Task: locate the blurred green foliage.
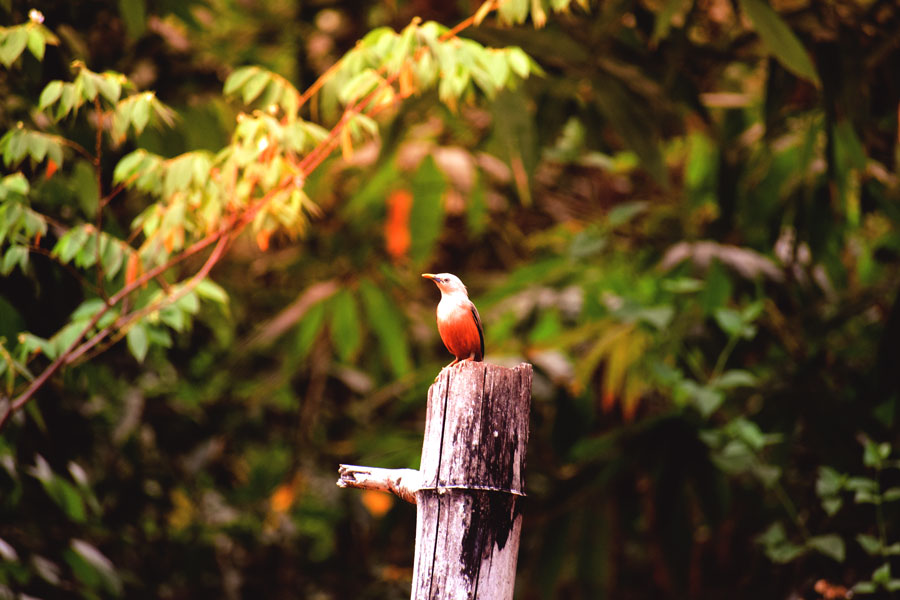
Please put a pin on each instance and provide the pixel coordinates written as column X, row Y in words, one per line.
column 683, row 213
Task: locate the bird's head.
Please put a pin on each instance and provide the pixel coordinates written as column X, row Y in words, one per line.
column 447, row 283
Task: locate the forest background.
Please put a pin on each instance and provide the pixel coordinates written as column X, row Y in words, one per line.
column 684, row 213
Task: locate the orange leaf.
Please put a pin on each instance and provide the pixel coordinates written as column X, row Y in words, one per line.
column 396, row 230
column 283, row 498
column 51, row 168
column 406, row 80
column 37, row 238
column 608, row 401
column 377, row 503
column 132, row 269
column 346, row 144
column 262, row 239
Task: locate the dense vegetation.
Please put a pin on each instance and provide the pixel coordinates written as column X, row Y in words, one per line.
column 214, row 214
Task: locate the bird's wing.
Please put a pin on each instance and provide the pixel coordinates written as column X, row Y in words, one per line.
column 477, row 318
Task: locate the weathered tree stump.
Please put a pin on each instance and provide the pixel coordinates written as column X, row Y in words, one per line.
column 468, row 489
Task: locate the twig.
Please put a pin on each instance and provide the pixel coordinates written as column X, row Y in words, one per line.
column 123, row 321
column 63, row 357
column 98, row 153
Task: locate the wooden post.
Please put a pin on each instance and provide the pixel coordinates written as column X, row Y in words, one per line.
column 468, row 489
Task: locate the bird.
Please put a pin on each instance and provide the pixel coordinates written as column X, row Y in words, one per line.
column 458, row 321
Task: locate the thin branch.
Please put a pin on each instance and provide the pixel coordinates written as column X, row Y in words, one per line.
column 318, row 154
column 77, row 147
column 63, row 357
column 289, row 317
column 72, row 271
column 98, row 153
column 123, row 321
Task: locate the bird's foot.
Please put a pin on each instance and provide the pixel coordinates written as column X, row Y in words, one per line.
column 455, row 361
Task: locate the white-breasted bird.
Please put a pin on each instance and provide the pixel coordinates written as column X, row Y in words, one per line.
column 457, row 319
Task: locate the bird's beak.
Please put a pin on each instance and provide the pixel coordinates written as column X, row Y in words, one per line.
column 428, row 276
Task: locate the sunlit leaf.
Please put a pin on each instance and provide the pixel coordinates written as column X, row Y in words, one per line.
column 50, row 94
column 12, row 44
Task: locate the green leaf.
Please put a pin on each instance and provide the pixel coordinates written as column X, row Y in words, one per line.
column 891, row 494
column 779, row 39
column 871, row 544
column 629, row 114
column 831, row 505
column 134, row 15
column 179, row 173
column 122, row 117
column 173, row 317
column 12, row 45
column 50, row 94
column 830, row 482
column 749, row 432
column 734, row 378
column 658, row 316
column 189, row 303
column 387, row 323
column 626, row 212
column 255, row 85
column 36, row 43
column 706, row 399
column 86, row 79
column 128, row 165
column 210, row 290
column 67, row 100
column 237, row 79
column 112, row 256
column 109, row 87
column 882, row 574
column 63, row 493
column 70, row 244
column 519, row 62
column 15, row 255
column 865, row 587
column 83, row 182
column 308, row 329
column 729, row 320
column 137, row 340
column 93, row 568
column 776, row 545
column 849, row 151
column 87, row 309
column 830, row 545
column 427, row 213
column 874, row 454
column 140, row 114
column 16, row 183
column 865, row 484
column 513, row 12
column 345, row 325
column 359, row 86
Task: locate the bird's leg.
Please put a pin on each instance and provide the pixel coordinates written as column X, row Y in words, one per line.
column 455, row 360
column 460, row 361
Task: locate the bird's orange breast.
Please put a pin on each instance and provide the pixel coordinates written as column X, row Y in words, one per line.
column 459, row 332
